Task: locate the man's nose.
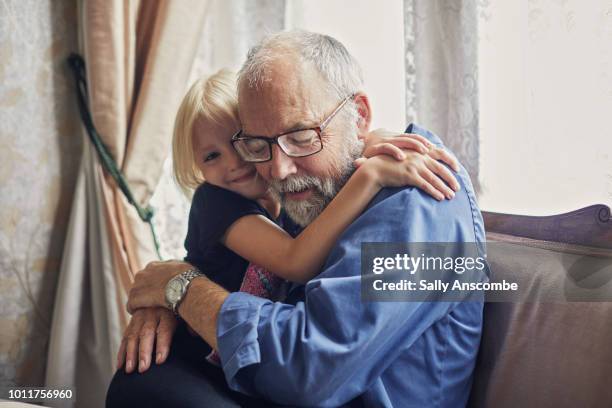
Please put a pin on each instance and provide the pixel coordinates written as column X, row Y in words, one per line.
column 281, row 165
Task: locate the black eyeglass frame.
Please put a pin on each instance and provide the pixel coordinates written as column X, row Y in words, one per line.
column 274, row 140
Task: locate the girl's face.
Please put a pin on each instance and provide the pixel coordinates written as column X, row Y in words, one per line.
column 220, row 164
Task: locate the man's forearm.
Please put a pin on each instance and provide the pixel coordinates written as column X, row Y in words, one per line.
column 201, row 307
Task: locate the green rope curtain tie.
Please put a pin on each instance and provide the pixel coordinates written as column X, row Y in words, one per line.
column 77, row 64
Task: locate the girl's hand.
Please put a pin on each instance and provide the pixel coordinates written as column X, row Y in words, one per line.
column 381, row 141
column 418, row 170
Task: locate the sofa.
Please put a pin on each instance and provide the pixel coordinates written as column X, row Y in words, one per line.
column 552, row 347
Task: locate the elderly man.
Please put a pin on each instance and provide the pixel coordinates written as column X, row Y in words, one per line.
column 322, row 346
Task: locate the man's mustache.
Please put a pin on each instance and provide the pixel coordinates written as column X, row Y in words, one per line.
column 294, row 184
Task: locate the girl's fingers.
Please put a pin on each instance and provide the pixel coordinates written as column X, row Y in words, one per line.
column 441, row 171
column 420, row 138
column 424, row 185
column 358, row 162
column 437, row 183
column 407, row 142
column 386, row 149
column 435, row 152
column 439, row 153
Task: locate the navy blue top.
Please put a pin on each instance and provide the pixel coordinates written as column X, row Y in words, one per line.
column 213, row 211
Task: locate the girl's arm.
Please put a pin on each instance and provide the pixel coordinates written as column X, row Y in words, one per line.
column 299, row 259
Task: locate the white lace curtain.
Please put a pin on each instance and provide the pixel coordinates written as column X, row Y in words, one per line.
column 441, row 58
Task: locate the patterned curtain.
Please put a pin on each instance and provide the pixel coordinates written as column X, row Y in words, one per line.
column 138, row 56
column 441, row 42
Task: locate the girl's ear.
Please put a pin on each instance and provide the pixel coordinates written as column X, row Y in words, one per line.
column 364, row 113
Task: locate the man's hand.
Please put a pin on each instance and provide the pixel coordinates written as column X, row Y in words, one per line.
column 149, row 285
column 147, row 326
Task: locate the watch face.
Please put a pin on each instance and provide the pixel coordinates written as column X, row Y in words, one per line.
column 174, row 290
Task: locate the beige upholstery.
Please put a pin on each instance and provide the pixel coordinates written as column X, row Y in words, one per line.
column 545, row 354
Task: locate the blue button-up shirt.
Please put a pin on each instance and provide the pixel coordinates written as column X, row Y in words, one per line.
column 326, row 347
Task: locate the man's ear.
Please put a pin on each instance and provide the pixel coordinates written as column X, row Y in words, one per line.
column 364, row 113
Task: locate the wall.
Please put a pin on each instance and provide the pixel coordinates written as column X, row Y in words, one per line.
column 546, row 99
column 40, row 146
column 375, row 37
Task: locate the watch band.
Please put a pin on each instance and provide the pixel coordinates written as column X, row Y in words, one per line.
column 188, row 276
column 191, row 273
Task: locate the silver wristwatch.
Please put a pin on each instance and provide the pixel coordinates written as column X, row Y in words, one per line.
column 177, row 287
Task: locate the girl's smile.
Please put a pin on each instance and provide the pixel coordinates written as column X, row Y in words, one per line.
column 246, row 177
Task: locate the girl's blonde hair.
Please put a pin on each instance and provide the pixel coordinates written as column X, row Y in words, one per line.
column 210, row 98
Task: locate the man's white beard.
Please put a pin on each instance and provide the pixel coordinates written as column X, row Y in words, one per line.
column 303, row 212
column 324, row 189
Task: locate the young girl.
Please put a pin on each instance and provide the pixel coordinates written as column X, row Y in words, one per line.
column 235, row 219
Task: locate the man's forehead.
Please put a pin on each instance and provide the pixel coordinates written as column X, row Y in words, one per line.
column 281, row 104
column 273, row 109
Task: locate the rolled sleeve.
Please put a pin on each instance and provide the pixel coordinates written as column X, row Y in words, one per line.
column 237, row 334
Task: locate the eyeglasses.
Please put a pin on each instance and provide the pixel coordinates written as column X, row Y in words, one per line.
column 295, row 143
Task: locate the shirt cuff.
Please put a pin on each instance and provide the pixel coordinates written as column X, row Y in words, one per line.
column 237, row 335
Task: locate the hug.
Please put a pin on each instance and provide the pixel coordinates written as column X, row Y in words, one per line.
column 287, row 181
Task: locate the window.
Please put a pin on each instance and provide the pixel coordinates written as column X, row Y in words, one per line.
column 545, row 70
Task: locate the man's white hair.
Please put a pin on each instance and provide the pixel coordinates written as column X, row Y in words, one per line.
column 332, row 60
column 342, row 77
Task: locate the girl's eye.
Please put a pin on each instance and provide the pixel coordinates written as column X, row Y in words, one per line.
column 210, row 156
